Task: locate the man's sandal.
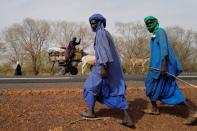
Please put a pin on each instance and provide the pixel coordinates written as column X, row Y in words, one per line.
column 127, row 124
column 151, row 112
column 190, row 121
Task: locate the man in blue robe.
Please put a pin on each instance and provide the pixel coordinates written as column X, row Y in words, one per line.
column 159, row 85
column 106, row 83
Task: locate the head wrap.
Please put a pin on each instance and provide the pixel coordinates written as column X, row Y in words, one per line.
column 74, row 39
column 101, row 45
column 154, row 26
column 100, row 20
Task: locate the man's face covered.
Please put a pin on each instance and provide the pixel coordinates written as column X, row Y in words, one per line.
column 151, row 23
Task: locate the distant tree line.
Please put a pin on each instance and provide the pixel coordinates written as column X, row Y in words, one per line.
column 28, row 42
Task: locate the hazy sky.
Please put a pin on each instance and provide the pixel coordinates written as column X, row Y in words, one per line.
column 168, row 12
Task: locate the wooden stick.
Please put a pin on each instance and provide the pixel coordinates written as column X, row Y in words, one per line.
column 175, row 77
column 89, row 119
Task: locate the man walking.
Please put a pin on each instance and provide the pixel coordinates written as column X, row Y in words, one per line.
column 159, row 84
column 106, row 83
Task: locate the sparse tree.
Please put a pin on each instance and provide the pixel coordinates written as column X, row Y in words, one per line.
column 2, row 46
column 64, row 31
column 86, row 35
column 181, row 41
column 194, row 54
column 28, row 39
column 133, row 41
column 15, row 49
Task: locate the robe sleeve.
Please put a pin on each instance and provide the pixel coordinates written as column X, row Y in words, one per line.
column 163, row 43
column 102, row 48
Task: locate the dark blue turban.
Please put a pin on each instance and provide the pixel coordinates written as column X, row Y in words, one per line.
column 98, row 18
column 101, row 45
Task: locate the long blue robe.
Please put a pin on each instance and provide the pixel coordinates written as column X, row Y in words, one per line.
column 111, row 90
column 163, row 87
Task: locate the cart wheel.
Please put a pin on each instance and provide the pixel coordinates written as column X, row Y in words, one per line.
column 73, row 70
column 61, row 71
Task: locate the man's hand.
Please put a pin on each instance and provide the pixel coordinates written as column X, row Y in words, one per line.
column 104, row 72
column 79, row 40
column 163, row 70
column 164, row 66
column 77, row 43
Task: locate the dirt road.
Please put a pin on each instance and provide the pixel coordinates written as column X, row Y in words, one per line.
column 57, row 109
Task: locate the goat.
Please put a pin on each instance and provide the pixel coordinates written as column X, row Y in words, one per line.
column 138, row 61
column 88, row 59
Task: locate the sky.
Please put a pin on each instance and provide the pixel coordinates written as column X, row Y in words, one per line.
column 169, row 12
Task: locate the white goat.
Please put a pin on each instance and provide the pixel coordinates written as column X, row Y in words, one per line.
column 88, row 59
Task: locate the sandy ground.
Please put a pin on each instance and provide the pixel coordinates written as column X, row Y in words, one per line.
column 57, row 109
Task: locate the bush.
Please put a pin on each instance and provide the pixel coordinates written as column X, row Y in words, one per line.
column 6, row 69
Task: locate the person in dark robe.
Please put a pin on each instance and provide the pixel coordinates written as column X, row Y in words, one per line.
column 18, row 71
column 159, row 84
column 106, row 83
column 70, row 49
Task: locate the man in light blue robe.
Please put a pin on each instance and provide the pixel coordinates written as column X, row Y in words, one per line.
column 106, row 83
column 159, row 85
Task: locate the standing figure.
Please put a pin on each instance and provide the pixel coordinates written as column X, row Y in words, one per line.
column 159, row 85
column 18, row 71
column 106, row 83
column 70, row 49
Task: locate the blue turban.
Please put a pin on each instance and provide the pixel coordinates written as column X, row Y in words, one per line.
column 98, row 18
column 102, row 48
